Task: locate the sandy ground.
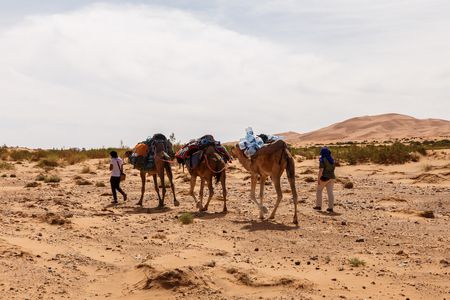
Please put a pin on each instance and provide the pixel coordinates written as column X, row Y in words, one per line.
column 65, row 241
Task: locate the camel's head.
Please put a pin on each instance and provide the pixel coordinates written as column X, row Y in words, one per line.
column 128, row 153
column 235, row 151
column 160, row 149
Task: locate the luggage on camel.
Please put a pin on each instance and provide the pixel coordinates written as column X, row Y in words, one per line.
column 191, row 154
column 143, row 155
column 251, row 143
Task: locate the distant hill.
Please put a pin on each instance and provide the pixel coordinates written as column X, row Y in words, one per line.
column 370, row 128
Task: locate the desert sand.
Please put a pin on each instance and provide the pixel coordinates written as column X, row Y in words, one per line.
column 65, row 240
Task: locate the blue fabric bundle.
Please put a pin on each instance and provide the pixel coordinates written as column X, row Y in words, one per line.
column 326, row 153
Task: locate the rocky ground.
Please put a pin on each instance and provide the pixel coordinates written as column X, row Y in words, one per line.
column 388, row 238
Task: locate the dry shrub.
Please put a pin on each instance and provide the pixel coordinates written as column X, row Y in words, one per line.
column 19, row 155
column 85, row 170
column 356, row 262
column 427, row 167
column 40, row 177
column 310, row 179
column 6, row 166
column 348, row 185
column 83, row 182
column 49, row 162
column 186, row 218
column 52, row 179
column 32, row 184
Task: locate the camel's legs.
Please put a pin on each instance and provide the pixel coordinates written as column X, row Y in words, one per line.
column 202, row 188
column 163, row 185
column 262, row 181
column 294, row 197
column 172, row 186
column 155, row 181
column 224, row 190
column 254, row 180
column 143, row 175
column 191, row 191
column 277, row 184
column 211, row 192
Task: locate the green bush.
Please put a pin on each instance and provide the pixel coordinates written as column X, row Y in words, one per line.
column 49, row 162
column 356, row 262
column 19, row 155
column 186, row 218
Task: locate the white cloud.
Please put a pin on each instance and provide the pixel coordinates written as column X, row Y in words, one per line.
column 106, row 73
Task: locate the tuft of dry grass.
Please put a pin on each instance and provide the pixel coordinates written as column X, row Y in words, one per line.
column 427, row 167
column 6, row 166
column 40, row 177
column 356, row 262
column 99, row 184
column 50, row 162
column 32, row 184
column 186, row 218
column 348, row 185
column 83, row 182
column 52, row 179
column 310, row 179
column 85, row 170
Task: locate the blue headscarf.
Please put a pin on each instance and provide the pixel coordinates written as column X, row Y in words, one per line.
column 326, row 153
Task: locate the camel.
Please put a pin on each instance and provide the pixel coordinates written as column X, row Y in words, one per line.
column 162, row 163
column 211, row 165
column 270, row 160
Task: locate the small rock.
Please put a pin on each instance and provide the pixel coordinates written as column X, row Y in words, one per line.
column 360, row 240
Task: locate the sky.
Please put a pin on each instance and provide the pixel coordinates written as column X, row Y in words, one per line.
column 80, row 73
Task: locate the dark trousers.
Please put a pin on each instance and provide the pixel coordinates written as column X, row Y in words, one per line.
column 115, row 185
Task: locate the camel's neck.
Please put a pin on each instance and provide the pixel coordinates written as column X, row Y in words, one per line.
column 245, row 162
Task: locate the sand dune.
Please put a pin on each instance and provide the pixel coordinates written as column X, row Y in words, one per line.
column 374, row 128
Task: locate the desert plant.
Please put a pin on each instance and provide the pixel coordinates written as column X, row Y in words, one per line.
column 49, row 162
column 85, row 170
column 348, row 185
column 82, row 182
column 40, row 177
column 427, row 167
column 310, row 179
column 6, row 166
column 52, row 179
column 356, row 262
column 32, row 184
column 186, row 218
column 99, row 184
column 18, row 155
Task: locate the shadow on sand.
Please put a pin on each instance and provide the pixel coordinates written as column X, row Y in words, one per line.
column 253, row 225
column 325, row 213
column 146, row 210
column 208, row 215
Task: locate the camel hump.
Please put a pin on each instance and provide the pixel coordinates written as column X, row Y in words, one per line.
column 159, row 136
column 270, row 149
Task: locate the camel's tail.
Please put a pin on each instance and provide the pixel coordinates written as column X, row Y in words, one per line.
column 290, row 164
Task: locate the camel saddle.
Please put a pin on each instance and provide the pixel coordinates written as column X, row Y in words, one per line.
column 191, row 154
column 269, row 149
column 143, row 154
